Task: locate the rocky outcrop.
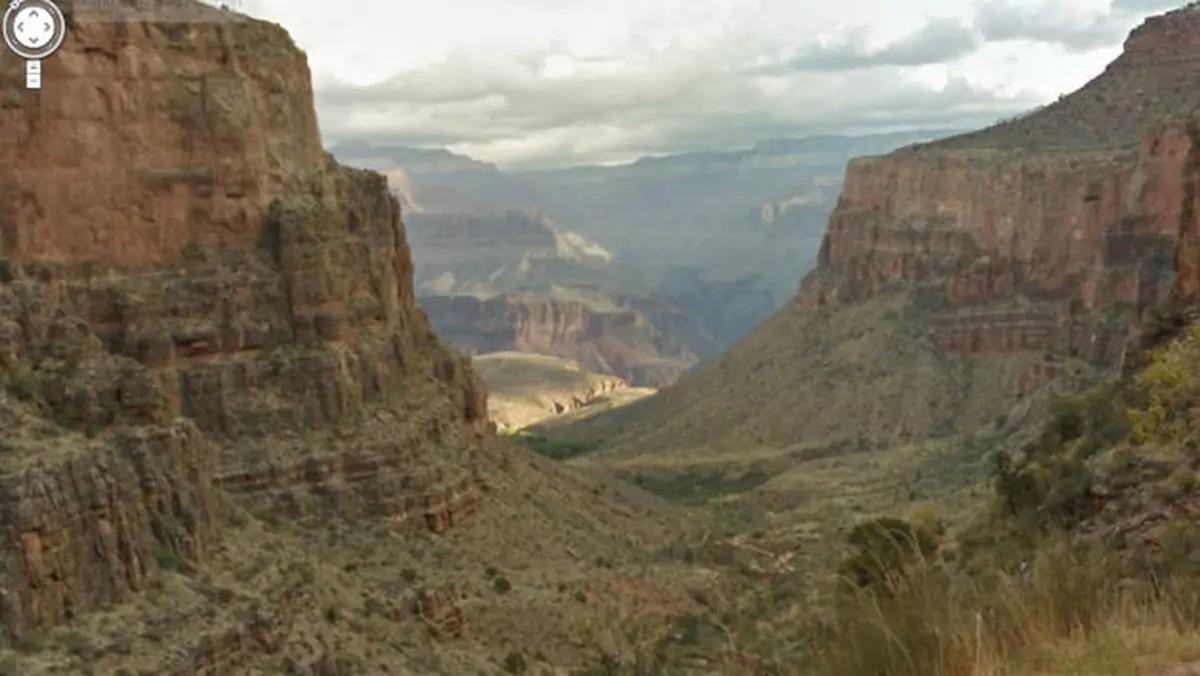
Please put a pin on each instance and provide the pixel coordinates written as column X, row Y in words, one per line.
column 615, row 340
column 233, row 312
column 1053, row 232
column 440, row 611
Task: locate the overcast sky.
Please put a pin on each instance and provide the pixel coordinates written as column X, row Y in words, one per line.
column 530, row 83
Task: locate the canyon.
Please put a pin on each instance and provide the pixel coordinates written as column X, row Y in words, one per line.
column 227, row 425
column 515, row 280
column 236, row 435
column 1000, row 266
column 565, row 255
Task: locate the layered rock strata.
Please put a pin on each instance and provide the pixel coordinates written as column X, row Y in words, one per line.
column 1052, row 232
column 196, row 299
column 616, row 340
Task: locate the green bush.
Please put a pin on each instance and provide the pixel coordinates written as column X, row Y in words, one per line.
column 1171, row 387
column 558, row 450
column 883, row 548
column 515, row 663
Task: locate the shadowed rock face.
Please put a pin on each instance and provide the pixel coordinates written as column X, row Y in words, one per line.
column 192, row 293
column 1051, row 232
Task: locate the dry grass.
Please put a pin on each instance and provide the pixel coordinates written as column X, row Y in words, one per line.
column 1072, row 613
column 838, row 380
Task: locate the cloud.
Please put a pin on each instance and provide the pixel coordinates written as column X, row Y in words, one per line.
column 1143, row 7
column 529, row 83
column 938, row 41
column 1055, row 23
column 505, row 112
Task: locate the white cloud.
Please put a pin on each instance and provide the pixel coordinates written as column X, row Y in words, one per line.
column 536, row 82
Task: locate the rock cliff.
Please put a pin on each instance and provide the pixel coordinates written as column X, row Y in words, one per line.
column 612, row 337
column 967, row 278
column 1054, row 231
column 195, row 302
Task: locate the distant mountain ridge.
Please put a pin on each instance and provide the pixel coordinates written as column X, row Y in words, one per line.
column 694, row 247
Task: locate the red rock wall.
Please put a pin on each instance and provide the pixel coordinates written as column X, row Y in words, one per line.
column 1053, row 231
column 147, row 137
column 177, row 252
column 1074, row 235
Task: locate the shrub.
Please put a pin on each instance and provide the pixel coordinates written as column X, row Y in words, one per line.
column 1048, row 483
column 883, row 549
column 515, row 663
column 1171, row 386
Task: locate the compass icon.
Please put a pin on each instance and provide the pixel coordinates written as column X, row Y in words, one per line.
column 34, row 29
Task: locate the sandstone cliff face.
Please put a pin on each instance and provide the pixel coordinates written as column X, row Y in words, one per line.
column 188, row 325
column 153, row 136
column 1051, row 232
column 615, row 340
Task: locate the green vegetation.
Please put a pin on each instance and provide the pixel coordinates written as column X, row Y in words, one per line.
column 515, row 663
column 20, row 382
column 1172, row 394
column 1040, row 584
column 1049, row 480
column 884, row 548
column 699, row 485
column 1073, row 598
column 557, row 450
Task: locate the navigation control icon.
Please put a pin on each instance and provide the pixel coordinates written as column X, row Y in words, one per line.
column 33, row 30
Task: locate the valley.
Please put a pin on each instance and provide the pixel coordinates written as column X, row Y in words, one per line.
column 564, row 263
column 917, row 403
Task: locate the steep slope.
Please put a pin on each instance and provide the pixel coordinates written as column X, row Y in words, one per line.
column 231, row 442
column 958, row 276
column 169, row 325
column 1102, row 500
